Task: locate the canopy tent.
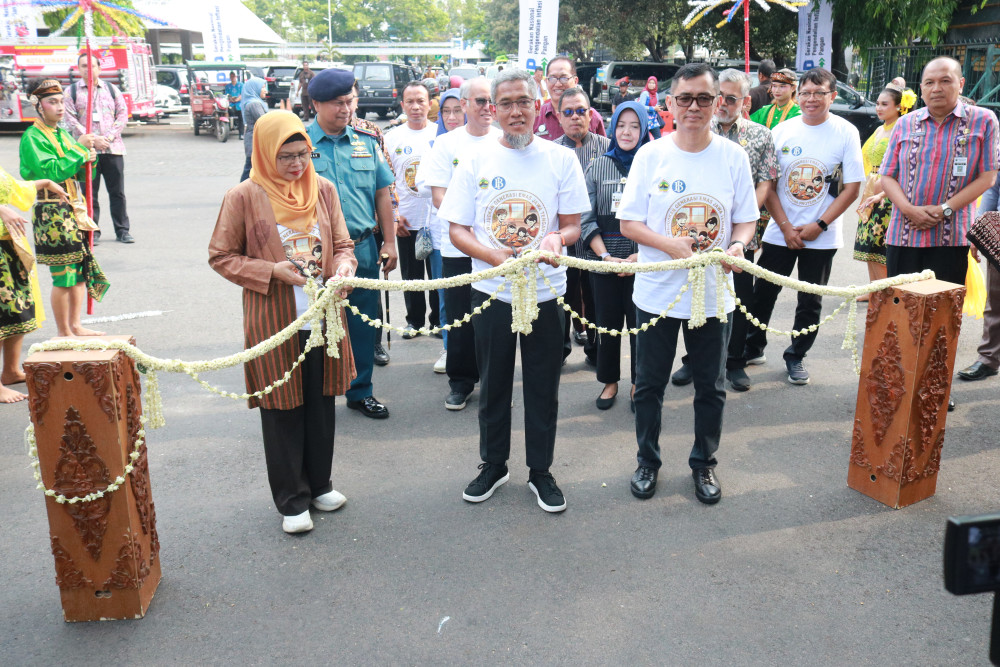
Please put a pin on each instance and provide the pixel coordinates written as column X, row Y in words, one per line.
column 188, row 20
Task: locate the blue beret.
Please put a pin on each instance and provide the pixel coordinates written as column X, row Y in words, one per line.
column 330, row 83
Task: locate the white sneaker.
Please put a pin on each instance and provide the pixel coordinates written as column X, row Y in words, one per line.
column 757, row 361
column 300, row 523
column 441, row 365
column 329, row 501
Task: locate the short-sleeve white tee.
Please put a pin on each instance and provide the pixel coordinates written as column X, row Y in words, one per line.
column 678, row 193
column 807, row 154
column 406, row 149
column 437, row 169
column 513, row 198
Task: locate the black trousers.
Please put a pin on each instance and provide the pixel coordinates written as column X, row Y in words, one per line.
column 298, row 443
column 541, row 362
column 655, row 348
column 949, row 263
column 412, row 268
column 613, row 305
column 463, row 370
column 112, row 169
column 814, row 267
column 580, row 298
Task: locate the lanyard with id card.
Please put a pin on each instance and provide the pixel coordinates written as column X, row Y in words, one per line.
column 616, row 196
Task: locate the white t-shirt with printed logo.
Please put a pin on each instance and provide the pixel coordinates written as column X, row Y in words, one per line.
column 676, row 193
column 306, row 252
column 406, row 149
column 513, row 198
column 437, row 169
column 806, row 155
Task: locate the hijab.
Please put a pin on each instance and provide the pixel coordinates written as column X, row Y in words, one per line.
column 615, row 152
column 652, row 96
column 251, row 92
column 451, row 93
column 293, row 202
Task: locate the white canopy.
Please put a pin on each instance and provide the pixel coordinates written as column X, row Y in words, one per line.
column 189, row 15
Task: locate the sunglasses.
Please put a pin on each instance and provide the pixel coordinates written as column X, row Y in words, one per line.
column 579, row 112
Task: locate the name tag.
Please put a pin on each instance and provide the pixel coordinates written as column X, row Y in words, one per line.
column 961, row 167
column 97, row 116
column 616, row 201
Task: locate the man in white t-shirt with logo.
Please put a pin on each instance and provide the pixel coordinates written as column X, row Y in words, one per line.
column 406, row 146
column 436, row 172
column 806, row 218
column 690, row 192
column 509, row 196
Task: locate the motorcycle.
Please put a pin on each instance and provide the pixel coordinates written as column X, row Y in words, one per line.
column 209, row 104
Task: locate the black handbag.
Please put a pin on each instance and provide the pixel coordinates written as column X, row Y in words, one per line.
column 835, row 179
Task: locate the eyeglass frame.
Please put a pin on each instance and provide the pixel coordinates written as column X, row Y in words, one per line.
column 568, row 113
column 523, row 103
column 814, row 94
column 302, row 157
column 694, row 99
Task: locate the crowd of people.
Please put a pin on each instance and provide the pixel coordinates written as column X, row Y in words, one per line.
column 504, row 167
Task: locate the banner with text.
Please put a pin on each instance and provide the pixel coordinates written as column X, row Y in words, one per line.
column 815, row 36
column 221, row 43
column 537, row 38
column 17, row 23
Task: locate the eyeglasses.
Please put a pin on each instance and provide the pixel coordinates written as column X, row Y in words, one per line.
column 289, row 158
column 817, row 94
column 523, row 104
column 479, row 101
column 731, row 99
column 704, row 100
column 579, row 112
column 559, row 79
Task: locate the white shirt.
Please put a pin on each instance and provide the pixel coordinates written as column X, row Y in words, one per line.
column 305, row 251
column 513, row 198
column 406, row 148
column 436, row 171
column 806, row 154
column 677, row 193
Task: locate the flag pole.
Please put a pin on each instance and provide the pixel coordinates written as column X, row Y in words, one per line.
column 88, row 22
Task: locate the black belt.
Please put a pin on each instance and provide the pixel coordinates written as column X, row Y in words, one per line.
column 364, row 236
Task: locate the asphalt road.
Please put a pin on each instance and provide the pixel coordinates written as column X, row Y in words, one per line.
column 792, row 567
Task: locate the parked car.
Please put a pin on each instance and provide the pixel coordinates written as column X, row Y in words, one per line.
column 381, row 87
column 174, row 76
column 603, row 83
column 465, row 71
column 168, row 101
column 279, row 81
column 853, row 107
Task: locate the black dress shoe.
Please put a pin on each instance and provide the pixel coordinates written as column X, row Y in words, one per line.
column 381, row 356
column 606, row 403
column 683, row 376
column 977, row 371
column 580, row 337
column 706, row 485
column 739, row 379
column 370, row 407
column 644, row 482
column 951, row 405
column 125, row 238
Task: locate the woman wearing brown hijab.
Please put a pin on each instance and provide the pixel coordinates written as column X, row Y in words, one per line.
column 274, row 230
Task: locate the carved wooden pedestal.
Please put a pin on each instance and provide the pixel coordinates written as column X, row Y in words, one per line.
column 86, row 407
column 910, row 342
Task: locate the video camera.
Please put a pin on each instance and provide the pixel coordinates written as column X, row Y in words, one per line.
column 972, row 564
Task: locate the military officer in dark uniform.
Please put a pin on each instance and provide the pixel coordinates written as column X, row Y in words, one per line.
column 351, row 159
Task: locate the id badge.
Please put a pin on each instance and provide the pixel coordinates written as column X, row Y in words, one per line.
column 961, row 166
column 616, row 201
column 97, row 116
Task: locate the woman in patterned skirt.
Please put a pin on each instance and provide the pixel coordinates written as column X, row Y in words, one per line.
column 20, row 307
column 875, row 208
column 49, row 152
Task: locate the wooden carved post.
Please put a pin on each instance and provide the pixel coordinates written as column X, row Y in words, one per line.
column 86, row 407
column 910, row 342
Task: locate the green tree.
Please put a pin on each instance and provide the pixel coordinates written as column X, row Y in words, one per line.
column 773, row 34
column 500, row 31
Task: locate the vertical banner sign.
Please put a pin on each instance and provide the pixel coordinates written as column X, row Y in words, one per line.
column 17, row 23
column 221, row 44
column 537, row 37
column 815, row 36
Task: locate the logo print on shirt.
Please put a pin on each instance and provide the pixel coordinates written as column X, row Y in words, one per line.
column 516, row 219
column 499, row 183
column 483, row 184
column 407, row 150
column 785, row 150
column 663, row 186
column 454, row 162
column 410, row 174
column 399, row 151
column 797, row 151
column 678, row 186
column 700, row 217
column 805, row 183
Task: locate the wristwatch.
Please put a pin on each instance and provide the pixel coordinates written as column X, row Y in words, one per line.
column 605, row 255
column 822, row 224
column 947, row 210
